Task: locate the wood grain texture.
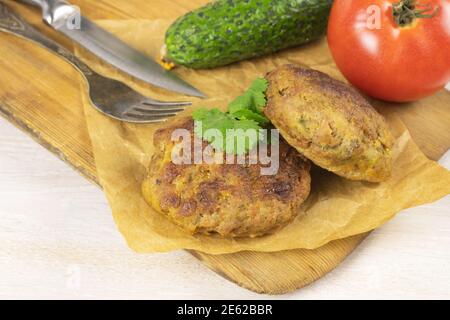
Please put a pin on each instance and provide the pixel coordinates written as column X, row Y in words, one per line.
column 40, row 95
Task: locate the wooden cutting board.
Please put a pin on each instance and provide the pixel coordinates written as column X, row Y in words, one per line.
column 39, row 93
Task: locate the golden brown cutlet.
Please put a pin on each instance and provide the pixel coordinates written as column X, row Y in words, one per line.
column 330, row 123
column 231, row 200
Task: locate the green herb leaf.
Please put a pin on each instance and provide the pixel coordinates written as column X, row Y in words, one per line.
column 221, row 121
column 244, row 113
column 259, row 85
column 258, row 90
column 201, row 113
column 240, row 103
column 212, row 119
column 251, row 138
column 253, row 99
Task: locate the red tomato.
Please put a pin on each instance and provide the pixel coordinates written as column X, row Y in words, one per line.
column 396, row 58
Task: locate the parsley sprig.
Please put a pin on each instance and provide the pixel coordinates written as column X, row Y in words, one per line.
column 245, row 112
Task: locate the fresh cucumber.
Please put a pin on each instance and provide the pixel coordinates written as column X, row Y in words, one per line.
column 226, row 31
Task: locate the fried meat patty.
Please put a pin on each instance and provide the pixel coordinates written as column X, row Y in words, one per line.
column 330, row 123
column 232, row 200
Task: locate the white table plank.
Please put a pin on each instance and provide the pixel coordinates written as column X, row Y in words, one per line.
column 58, row 240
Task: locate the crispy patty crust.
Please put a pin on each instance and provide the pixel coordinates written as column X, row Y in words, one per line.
column 330, row 123
column 231, row 200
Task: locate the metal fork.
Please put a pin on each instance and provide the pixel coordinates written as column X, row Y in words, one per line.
column 108, row 96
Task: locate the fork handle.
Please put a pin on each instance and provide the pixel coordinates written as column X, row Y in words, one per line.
column 14, row 24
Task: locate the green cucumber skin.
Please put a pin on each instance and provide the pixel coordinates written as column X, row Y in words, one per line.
column 226, row 31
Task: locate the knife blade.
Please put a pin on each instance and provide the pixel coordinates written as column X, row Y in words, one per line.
column 66, row 18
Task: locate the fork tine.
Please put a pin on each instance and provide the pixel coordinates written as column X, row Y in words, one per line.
column 155, row 113
column 142, row 107
column 142, row 121
column 157, row 103
column 175, row 108
column 137, row 118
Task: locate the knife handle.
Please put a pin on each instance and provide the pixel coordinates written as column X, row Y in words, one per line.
column 55, row 12
column 37, row 3
column 14, row 24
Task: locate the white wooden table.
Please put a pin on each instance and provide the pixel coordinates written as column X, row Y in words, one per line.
column 58, row 240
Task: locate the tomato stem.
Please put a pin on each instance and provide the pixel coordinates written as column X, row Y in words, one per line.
column 406, row 11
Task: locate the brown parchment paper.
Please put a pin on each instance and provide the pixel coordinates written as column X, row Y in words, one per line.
column 336, row 208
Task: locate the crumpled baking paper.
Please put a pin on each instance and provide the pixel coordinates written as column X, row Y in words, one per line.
column 337, row 208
